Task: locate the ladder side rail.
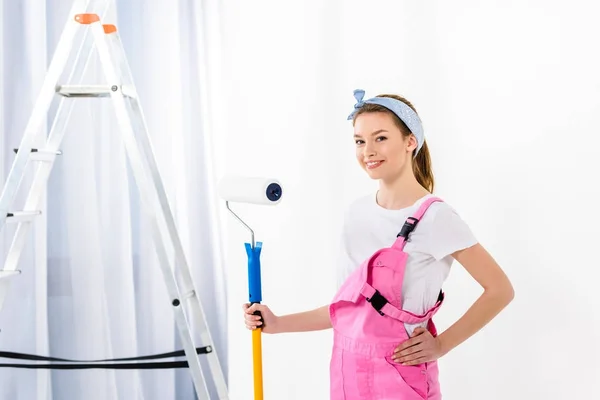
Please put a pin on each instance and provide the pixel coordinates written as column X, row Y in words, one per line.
column 148, row 201
column 40, row 111
column 24, row 154
column 54, row 140
column 182, row 269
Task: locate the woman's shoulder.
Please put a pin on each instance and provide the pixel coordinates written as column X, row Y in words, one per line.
column 439, row 206
column 439, row 210
column 445, row 220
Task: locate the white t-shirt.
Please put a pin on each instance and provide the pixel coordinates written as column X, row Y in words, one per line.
column 368, row 227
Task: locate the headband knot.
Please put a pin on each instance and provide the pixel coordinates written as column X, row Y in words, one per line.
column 358, row 95
column 399, row 108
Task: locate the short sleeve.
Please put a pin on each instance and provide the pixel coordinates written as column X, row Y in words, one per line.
column 345, row 265
column 449, row 233
column 344, row 262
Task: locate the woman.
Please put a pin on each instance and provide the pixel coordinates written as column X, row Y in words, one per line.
column 391, row 352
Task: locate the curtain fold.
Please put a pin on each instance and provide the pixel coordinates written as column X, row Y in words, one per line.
column 103, row 294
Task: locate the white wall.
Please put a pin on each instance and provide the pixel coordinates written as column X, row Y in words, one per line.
column 509, row 93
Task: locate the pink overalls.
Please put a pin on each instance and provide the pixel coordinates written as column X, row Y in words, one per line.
column 368, row 324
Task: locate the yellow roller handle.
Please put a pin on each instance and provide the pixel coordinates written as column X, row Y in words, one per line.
column 257, row 361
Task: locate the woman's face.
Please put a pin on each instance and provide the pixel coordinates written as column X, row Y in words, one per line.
column 381, row 148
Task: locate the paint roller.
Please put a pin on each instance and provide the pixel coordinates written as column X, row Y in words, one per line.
column 259, row 191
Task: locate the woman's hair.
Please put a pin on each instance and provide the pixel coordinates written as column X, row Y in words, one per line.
column 421, row 165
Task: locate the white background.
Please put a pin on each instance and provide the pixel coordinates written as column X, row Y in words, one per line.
column 509, row 93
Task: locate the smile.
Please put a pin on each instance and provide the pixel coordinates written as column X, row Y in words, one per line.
column 373, row 164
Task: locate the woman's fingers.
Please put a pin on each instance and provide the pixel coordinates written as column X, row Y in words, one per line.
column 252, row 321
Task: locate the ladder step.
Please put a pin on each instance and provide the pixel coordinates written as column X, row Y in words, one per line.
column 8, row 274
column 20, row 216
column 91, row 90
column 85, row 90
column 42, row 155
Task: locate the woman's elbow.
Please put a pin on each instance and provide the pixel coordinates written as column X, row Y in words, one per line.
column 503, row 292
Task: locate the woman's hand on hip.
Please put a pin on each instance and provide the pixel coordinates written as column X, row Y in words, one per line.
column 420, row 348
column 267, row 321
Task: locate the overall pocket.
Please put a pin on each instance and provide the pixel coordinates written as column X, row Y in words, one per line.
column 410, row 380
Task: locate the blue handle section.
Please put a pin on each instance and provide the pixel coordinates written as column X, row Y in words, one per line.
column 254, row 284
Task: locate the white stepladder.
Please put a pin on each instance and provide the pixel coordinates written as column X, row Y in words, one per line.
column 119, row 87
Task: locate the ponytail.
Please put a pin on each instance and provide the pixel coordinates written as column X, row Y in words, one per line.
column 422, row 168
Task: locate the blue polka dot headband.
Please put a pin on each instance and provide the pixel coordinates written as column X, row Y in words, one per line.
column 402, row 111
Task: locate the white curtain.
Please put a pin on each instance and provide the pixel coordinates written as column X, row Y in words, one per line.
column 94, row 289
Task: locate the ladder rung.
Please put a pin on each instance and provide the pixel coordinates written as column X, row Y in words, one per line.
column 8, row 274
column 19, row 216
column 42, row 155
column 84, row 90
column 91, row 90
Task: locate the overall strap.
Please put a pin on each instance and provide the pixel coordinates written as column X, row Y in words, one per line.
column 411, row 222
column 383, row 307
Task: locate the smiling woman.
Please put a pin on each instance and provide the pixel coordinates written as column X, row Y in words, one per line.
column 398, row 247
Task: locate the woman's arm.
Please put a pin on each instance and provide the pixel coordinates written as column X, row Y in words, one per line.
column 313, row 320
column 498, row 293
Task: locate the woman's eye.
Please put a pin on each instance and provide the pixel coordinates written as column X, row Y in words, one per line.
column 359, row 142
column 381, row 138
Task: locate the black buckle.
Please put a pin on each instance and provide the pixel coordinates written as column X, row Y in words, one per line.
column 377, row 301
column 408, row 227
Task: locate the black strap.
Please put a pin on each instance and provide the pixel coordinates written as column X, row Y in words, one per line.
column 147, row 365
column 102, row 364
column 377, row 301
column 409, row 225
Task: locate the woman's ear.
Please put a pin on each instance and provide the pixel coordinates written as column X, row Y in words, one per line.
column 411, row 143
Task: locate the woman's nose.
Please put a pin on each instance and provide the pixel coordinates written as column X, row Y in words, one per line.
column 368, row 150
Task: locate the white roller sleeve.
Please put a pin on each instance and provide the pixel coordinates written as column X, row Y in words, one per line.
column 255, row 190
